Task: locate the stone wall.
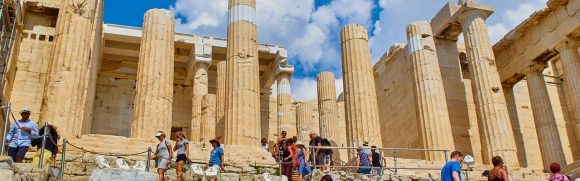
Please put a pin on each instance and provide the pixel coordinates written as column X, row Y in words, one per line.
column 32, row 65
column 113, row 107
column 397, row 103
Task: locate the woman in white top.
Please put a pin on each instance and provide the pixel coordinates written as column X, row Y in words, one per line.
column 162, row 154
column 182, row 148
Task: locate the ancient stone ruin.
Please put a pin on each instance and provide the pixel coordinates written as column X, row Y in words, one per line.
column 108, row 88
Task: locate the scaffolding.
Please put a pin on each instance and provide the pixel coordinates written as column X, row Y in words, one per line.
column 9, row 16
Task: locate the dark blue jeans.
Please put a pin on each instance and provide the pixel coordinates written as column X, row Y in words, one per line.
column 17, row 152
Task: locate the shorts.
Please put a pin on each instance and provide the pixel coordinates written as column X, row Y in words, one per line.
column 364, row 171
column 320, row 159
column 328, row 160
column 162, row 163
column 17, row 152
column 181, row 157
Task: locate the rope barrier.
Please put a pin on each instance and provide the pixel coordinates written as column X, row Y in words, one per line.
column 106, row 154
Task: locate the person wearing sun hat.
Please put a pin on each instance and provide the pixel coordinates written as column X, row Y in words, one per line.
column 216, row 158
column 301, row 165
column 366, row 148
column 20, row 136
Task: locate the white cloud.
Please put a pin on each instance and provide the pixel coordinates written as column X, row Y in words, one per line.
column 497, row 32
column 303, row 89
column 516, row 16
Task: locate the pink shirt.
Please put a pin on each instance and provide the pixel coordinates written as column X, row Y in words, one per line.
column 558, row 177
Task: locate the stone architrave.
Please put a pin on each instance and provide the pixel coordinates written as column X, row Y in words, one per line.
column 243, row 76
column 430, row 101
column 360, row 99
column 154, row 94
column 202, row 61
column 221, row 97
column 491, row 108
column 286, row 119
column 327, row 106
column 548, row 135
column 304, row 121
column 63, row 104
column 571, row 64
column 208, row 118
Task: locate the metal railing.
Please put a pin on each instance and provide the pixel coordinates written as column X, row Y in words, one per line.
column 394, row 152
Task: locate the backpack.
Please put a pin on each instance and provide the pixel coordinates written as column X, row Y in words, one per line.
column 325, row 142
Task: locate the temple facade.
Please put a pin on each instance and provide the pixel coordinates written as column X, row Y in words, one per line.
column 447, row 87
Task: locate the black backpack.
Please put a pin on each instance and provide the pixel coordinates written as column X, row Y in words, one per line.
column 325, row 142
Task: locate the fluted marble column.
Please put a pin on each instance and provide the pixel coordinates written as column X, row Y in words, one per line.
column 208, row 118
column 360, row 99
column 202, row 61
column 491, row 108
column 327, row 107
column 71, row 57
column 243, row 76
column 286, row 118
column 221, row 97
column 571, row 64
column 154, row 94
column 304, row 121
column 546, row 127
column 430, row 101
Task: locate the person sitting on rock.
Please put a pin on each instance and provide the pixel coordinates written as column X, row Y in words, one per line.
column 20, row 136
column 452, row 170
column 216, row 158
column 50, row 146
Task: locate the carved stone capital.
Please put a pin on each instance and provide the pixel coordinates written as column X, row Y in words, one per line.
column 535, row 68
column 565, row 45
column 471, row 8
column 284, row 69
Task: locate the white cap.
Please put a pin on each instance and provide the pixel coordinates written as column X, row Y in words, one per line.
column 25, row 109
column 159, row 133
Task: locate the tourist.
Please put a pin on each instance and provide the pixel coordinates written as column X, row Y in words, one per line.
column 20, row 136
column 162, row 154
column 50, row 146
column 182, row 148
column 555, row 174
column 301, row 165
column 326, row 178
column 366, row 147
column 328, row 153
column 265, row 145
column 316, row 141
column 278, row 146
column 499, row 171
column 363, row 161
column 376, row 157
column 287, row 163
column 216, row 159
column 452, row 169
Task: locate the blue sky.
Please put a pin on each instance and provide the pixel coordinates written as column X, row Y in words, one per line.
column 310, row 29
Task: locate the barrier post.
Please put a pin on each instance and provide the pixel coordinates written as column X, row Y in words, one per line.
column 314, row 157
column 446, row 157
column 148, row 163
column 395, row 160
column 62, row 161
column 6, row 120
column 43, row 145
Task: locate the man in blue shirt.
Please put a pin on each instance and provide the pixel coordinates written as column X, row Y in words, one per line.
column 20, row 136
column 216, row 158
column 452, row 170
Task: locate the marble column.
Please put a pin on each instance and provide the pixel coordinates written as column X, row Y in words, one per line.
column 430, row 101
column 154, row 94
column 491, row 108
column 208, row 118
column 286, row 118
column 63, row 103
column 202, row 61
column 304, row 121
column 243, row 76
column 360, row 99
column 571, row 65
column 327, row 107
column 221, row 97
column 546, row 127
